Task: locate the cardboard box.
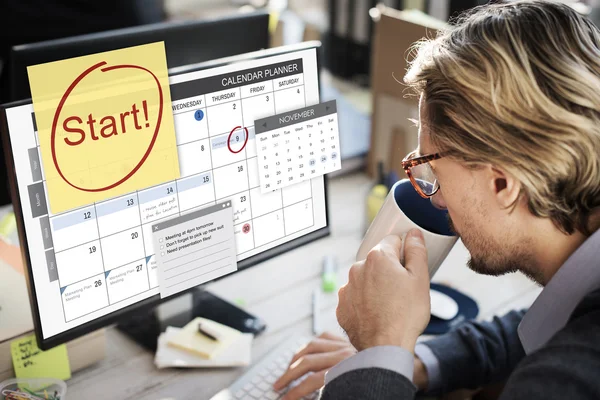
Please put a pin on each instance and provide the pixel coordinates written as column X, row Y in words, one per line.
column 395, row 32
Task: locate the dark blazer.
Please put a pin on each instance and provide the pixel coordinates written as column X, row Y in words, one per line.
column 566, row 367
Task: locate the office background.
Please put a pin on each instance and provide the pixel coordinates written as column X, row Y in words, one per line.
column 347, row 29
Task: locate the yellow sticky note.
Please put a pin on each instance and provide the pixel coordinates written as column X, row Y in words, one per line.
column 190, row 340
column 31, row 362
column 105, row 124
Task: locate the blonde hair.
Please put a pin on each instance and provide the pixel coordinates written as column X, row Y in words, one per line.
column 517, row 85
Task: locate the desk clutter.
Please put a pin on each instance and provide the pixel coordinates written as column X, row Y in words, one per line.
column 33, row 389
column 203, row 343
column 39, row 374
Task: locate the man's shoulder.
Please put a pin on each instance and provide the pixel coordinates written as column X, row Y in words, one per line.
column 565, row 367
column 587, row 307
column 583, row 326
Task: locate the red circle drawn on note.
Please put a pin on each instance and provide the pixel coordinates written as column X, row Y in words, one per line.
column 246, row 228
column 229, row 138
column 62, row 103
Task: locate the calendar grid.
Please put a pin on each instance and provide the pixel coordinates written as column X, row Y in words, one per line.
column 254, row 96
column 248, row 176
column 219, row 162
column 101, row 255
column 212, row 179
column 299, row 163
column 143, row 240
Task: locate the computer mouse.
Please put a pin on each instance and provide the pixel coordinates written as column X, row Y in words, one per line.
column 442, row 305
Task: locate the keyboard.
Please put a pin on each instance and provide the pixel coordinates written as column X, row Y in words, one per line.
column 257, row 382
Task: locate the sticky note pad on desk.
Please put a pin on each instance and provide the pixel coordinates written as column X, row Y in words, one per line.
column 31, row 362
column 238, row 353
column 189, row 339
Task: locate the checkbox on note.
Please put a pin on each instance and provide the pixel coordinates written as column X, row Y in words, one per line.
column 160, row 240
column 162, row 247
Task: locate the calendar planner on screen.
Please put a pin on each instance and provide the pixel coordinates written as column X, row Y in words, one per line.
column 94, row 260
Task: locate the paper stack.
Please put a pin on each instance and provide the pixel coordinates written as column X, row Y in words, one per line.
column 186, row 347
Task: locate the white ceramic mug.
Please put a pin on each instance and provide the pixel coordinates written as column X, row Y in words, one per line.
column 403, row 210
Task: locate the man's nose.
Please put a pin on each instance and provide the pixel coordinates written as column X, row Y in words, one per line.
column 438, row 201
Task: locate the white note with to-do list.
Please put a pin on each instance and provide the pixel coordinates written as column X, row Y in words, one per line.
column 298, row 145
column 194, row 248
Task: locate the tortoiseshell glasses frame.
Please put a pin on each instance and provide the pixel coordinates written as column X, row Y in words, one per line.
column 410, row 161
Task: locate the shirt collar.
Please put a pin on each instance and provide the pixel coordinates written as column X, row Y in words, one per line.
column 577, row 277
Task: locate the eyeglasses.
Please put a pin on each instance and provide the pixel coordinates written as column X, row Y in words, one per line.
column 421, row 174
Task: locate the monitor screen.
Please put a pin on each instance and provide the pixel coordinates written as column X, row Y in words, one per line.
column 88, row 266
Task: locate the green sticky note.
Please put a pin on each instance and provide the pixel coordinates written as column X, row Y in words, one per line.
column 31, row 362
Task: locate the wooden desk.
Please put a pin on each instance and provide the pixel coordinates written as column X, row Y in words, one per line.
column 128, row 372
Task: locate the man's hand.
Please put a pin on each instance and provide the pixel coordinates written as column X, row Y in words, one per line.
column 321, row 354
column 385, row 303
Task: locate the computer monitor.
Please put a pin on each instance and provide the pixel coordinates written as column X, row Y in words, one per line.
column 186, row 42
column 74, row 290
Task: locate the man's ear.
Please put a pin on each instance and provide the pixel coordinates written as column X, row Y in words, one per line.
column 505, row 187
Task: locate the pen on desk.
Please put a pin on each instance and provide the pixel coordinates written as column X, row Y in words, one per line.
column 316, row 306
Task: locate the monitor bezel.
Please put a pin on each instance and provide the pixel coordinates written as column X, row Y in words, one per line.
column 153, row 301
column 20, row 55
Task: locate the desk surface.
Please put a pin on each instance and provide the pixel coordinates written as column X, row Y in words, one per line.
column 128, row 371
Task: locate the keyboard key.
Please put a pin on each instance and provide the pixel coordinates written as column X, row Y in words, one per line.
column 256, row 380
column 271, row 379
column 271, row 395
column 272, row 367
column 248, row 387
column 264, row 386
column 264, row 373
column 240, row 393
column 257, row 394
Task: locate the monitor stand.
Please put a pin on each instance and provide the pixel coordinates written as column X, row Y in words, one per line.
column 144, row 327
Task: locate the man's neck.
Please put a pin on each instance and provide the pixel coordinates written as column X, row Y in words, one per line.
column 551, row 248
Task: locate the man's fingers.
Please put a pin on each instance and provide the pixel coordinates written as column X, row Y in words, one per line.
column 308, row 363
column 415, row 253
column 312, row 383
column 332, row 336
column 391, row 245
column 319, row 345
column 303, row 365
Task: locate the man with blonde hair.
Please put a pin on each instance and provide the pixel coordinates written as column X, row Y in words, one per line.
column 509, row 144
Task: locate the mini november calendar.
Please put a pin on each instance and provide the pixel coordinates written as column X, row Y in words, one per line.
column 297, row 145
